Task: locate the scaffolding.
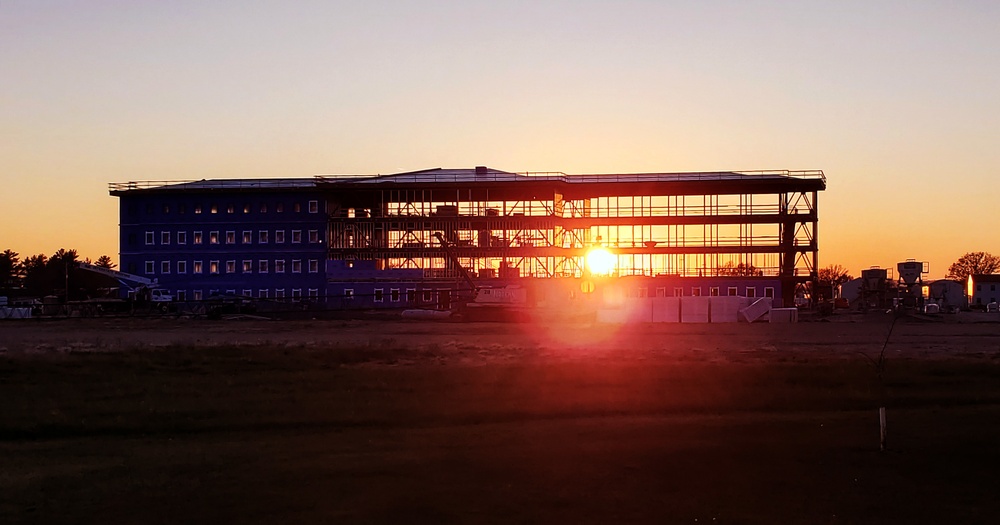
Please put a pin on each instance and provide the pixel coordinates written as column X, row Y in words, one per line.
column 542, row 225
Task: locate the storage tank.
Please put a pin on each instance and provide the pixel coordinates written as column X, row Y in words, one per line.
column 910, row 271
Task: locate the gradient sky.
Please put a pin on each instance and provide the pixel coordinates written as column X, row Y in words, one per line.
column 897, row 101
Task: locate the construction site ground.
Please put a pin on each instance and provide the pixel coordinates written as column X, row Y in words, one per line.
column 380, row 421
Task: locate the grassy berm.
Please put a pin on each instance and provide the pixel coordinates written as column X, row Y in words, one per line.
column 389, row 422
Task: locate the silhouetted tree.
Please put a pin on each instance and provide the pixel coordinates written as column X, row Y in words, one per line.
column 828, row 279
column 63, row 257
column 10, row 270
column 833, row 275
column 740, row 270
column 104, row 261
column 973, row 263
column 34, row 271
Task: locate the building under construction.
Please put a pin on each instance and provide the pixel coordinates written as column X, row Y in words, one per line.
column 712, row 233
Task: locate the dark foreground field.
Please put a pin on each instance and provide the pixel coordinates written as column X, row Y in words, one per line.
column 375, row 422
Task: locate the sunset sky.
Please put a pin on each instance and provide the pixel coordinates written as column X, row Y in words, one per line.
column 897, row 101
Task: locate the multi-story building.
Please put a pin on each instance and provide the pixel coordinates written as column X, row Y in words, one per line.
column 372, row 241
column 261, row 238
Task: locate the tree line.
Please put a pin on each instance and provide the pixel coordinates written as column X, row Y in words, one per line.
column 40, row 275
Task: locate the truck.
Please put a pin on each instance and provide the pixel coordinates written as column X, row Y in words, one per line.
column 135, row 289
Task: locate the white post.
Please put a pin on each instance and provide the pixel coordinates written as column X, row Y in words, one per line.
column 881, row 421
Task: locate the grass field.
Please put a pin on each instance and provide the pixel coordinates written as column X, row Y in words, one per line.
column 172, row 421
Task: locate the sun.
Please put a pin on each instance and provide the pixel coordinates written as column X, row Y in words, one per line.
column 601, row 262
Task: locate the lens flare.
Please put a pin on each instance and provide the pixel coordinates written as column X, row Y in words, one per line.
column 601, row 262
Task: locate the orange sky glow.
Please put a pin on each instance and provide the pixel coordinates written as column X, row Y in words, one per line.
column 895, row 101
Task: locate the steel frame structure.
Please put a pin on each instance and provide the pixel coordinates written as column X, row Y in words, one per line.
column 542, row 225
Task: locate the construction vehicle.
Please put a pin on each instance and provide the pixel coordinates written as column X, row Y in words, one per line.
column 134, row 289
column 484, row 303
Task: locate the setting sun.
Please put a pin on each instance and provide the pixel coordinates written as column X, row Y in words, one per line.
column 601, row 262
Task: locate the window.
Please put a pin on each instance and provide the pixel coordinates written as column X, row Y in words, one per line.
column 751, row 291
column 166, row 209
column 230, row 266
column 197, row 237
column 279, row 266
column 262, row 293
column 768, row 291
column 149, row 238
column 231, row 291
column 314, row 293
column 247, row 266
column 280, row 207
column 182, row 267
column 213, row 267
column 263, row 207
column 246, row 208
column 150, row 267
column 313, row 266
column 731, row 291
column 696, row 291
column 279, row 236
column 164, row 237
column 247, row 292
column 181, row 209
column 713, row 291
column 661, row 291
column 348, row 293
column 197, row 209
column 296, row 293
column 296, row 236
column 197, row 295
column 279, row 293
column 411, row 295
column 230, row 237
column 678, row 292
column 247, row 237
column 182, row 295
column 197, row 267
column 262, row 266
column 165, row 267
column 379, row 295
column 213, row 238
column 313, row 206
column 313, row 236
column 297, row 207
column 296, row 266
column 394, row 295
column 230, row 209
column 182, row 238
column 215, row 208
column 262, row 236
column 427, row 296
column 993, row 287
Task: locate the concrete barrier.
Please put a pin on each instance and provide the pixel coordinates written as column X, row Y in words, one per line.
column 784, row 315
column 694, row 309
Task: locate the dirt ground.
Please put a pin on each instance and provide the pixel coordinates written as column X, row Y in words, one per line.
column 378, row 421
